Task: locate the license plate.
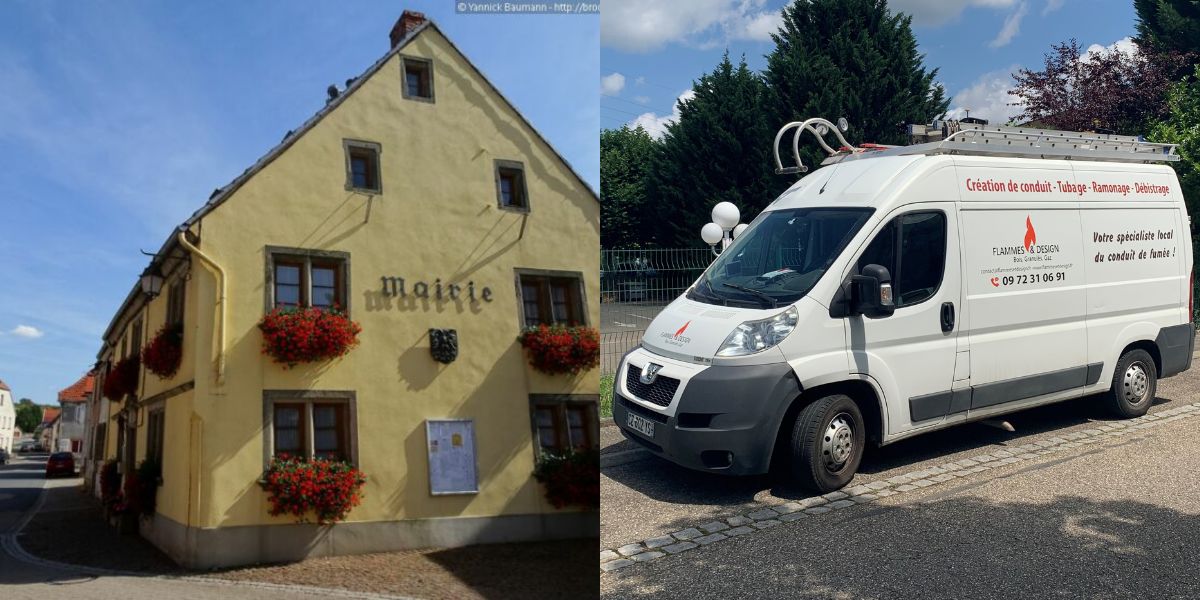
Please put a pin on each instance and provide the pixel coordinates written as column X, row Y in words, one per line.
column 640, row 424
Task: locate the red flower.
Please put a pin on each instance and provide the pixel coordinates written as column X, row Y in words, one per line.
column 164, row 353
column 296, row 335
column 328, row 488
column 571, row 479
column 122, row 378
column 558, row 349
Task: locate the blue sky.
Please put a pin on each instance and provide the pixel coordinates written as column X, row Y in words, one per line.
column 119, row 118
column 652, row 50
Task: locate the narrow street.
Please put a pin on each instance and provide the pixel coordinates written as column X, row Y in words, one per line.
column 21, row 485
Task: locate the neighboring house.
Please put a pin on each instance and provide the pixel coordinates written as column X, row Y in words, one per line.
column 48, row 429
column 417, row 198
column 8, row 419
column 73, row 403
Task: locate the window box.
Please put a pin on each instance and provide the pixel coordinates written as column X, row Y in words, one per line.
column 571, row 478
column 303, row 335
column 329, row 489
column 164, row 353
column 122, row 379
column 559, row 350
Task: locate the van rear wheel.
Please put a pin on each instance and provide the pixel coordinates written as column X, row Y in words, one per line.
column 1134, row 383
column 827, row 443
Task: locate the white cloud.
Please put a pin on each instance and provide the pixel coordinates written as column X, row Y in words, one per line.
column 1124, row 45
column 933, row 13
column 987, row 98
column 1052, row 5
column 656, row 125
column 641, row 80
column 611, row 85
column 647, row 25
column 27, row 331
column 642, row 99
column 1011, row 27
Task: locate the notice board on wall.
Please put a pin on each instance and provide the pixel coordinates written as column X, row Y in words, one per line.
column 452, row 465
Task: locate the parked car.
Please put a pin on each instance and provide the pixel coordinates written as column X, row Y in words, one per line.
column 25, row 448
column 60, row 463
column 4, row 456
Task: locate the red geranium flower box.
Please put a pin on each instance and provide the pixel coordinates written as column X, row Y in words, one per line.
column 571, row 478
column 298, row 335
column 122, row 378
column 164, row 353
column 558, row 349
column 325, row 487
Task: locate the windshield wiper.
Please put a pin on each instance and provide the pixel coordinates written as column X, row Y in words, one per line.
column 711, row 294
column 771, row 301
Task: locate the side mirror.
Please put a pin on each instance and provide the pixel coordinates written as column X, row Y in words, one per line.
column 871, row 292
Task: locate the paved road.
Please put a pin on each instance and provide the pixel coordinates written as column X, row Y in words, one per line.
column 1118, row 516
column 21, row 484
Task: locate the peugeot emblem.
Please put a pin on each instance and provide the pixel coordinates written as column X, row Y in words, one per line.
column 650, row 373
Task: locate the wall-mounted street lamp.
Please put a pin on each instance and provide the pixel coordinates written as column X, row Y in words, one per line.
column 724, row 228
column 152, row 282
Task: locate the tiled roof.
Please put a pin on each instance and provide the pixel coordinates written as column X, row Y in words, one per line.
column 78, row 391
column 4, row 386
column 49, row 414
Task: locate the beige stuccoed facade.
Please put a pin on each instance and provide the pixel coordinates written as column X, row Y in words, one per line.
column 448, row 152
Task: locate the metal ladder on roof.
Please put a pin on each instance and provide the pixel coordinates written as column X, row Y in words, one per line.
column 954, row 137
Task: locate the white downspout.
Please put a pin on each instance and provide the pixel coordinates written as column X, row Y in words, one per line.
column 220, row 275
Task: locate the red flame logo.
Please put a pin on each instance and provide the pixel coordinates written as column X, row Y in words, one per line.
column 1030, row 235
column 682, row 329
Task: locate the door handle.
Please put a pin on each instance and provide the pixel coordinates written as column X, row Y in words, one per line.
column 947, row 316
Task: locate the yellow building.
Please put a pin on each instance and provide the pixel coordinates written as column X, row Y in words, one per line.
column 418, row 198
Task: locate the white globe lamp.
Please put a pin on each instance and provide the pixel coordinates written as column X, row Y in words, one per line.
column 711, row 234
column 726, row 215
column 739, row 229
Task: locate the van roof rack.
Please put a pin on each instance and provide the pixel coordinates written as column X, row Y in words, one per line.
column 980, row 139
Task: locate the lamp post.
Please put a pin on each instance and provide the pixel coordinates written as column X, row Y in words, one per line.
column 152, row 282
column 724, row 227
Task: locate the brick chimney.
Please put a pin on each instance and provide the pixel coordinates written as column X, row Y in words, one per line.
column 409, row 20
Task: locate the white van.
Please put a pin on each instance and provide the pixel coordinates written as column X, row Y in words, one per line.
column 903, row 290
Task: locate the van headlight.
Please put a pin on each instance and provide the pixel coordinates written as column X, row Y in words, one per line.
column 756, row 336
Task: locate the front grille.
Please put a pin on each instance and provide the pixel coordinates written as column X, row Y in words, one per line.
column 638, row 409
column 659, row 393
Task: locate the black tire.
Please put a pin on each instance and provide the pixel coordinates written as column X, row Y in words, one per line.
column 1134, row 384
column 814, row 434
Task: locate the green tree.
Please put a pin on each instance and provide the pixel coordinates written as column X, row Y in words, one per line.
column 1182, row 127
column 29, row 415
column 718, row 150
column 853, row 59
column 624, row 159
column 1168, row 26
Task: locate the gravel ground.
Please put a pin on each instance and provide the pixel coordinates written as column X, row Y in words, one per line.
column 1114, row 520
column 642, row 496
column 70, row 529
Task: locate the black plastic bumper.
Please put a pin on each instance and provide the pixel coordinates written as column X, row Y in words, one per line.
column 726, row 420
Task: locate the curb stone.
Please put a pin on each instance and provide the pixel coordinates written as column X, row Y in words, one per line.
column 771, row 515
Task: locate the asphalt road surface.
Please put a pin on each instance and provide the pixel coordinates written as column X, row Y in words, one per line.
column 1119, row 518
column 21, row 484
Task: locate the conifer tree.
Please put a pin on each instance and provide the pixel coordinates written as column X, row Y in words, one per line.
column 718, row 150
column 625, row 156
column 853, row 59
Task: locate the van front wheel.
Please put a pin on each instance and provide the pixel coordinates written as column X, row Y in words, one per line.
column 1134, row 384
column 827, row 443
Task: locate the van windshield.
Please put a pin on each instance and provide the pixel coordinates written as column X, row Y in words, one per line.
column 780, row 257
